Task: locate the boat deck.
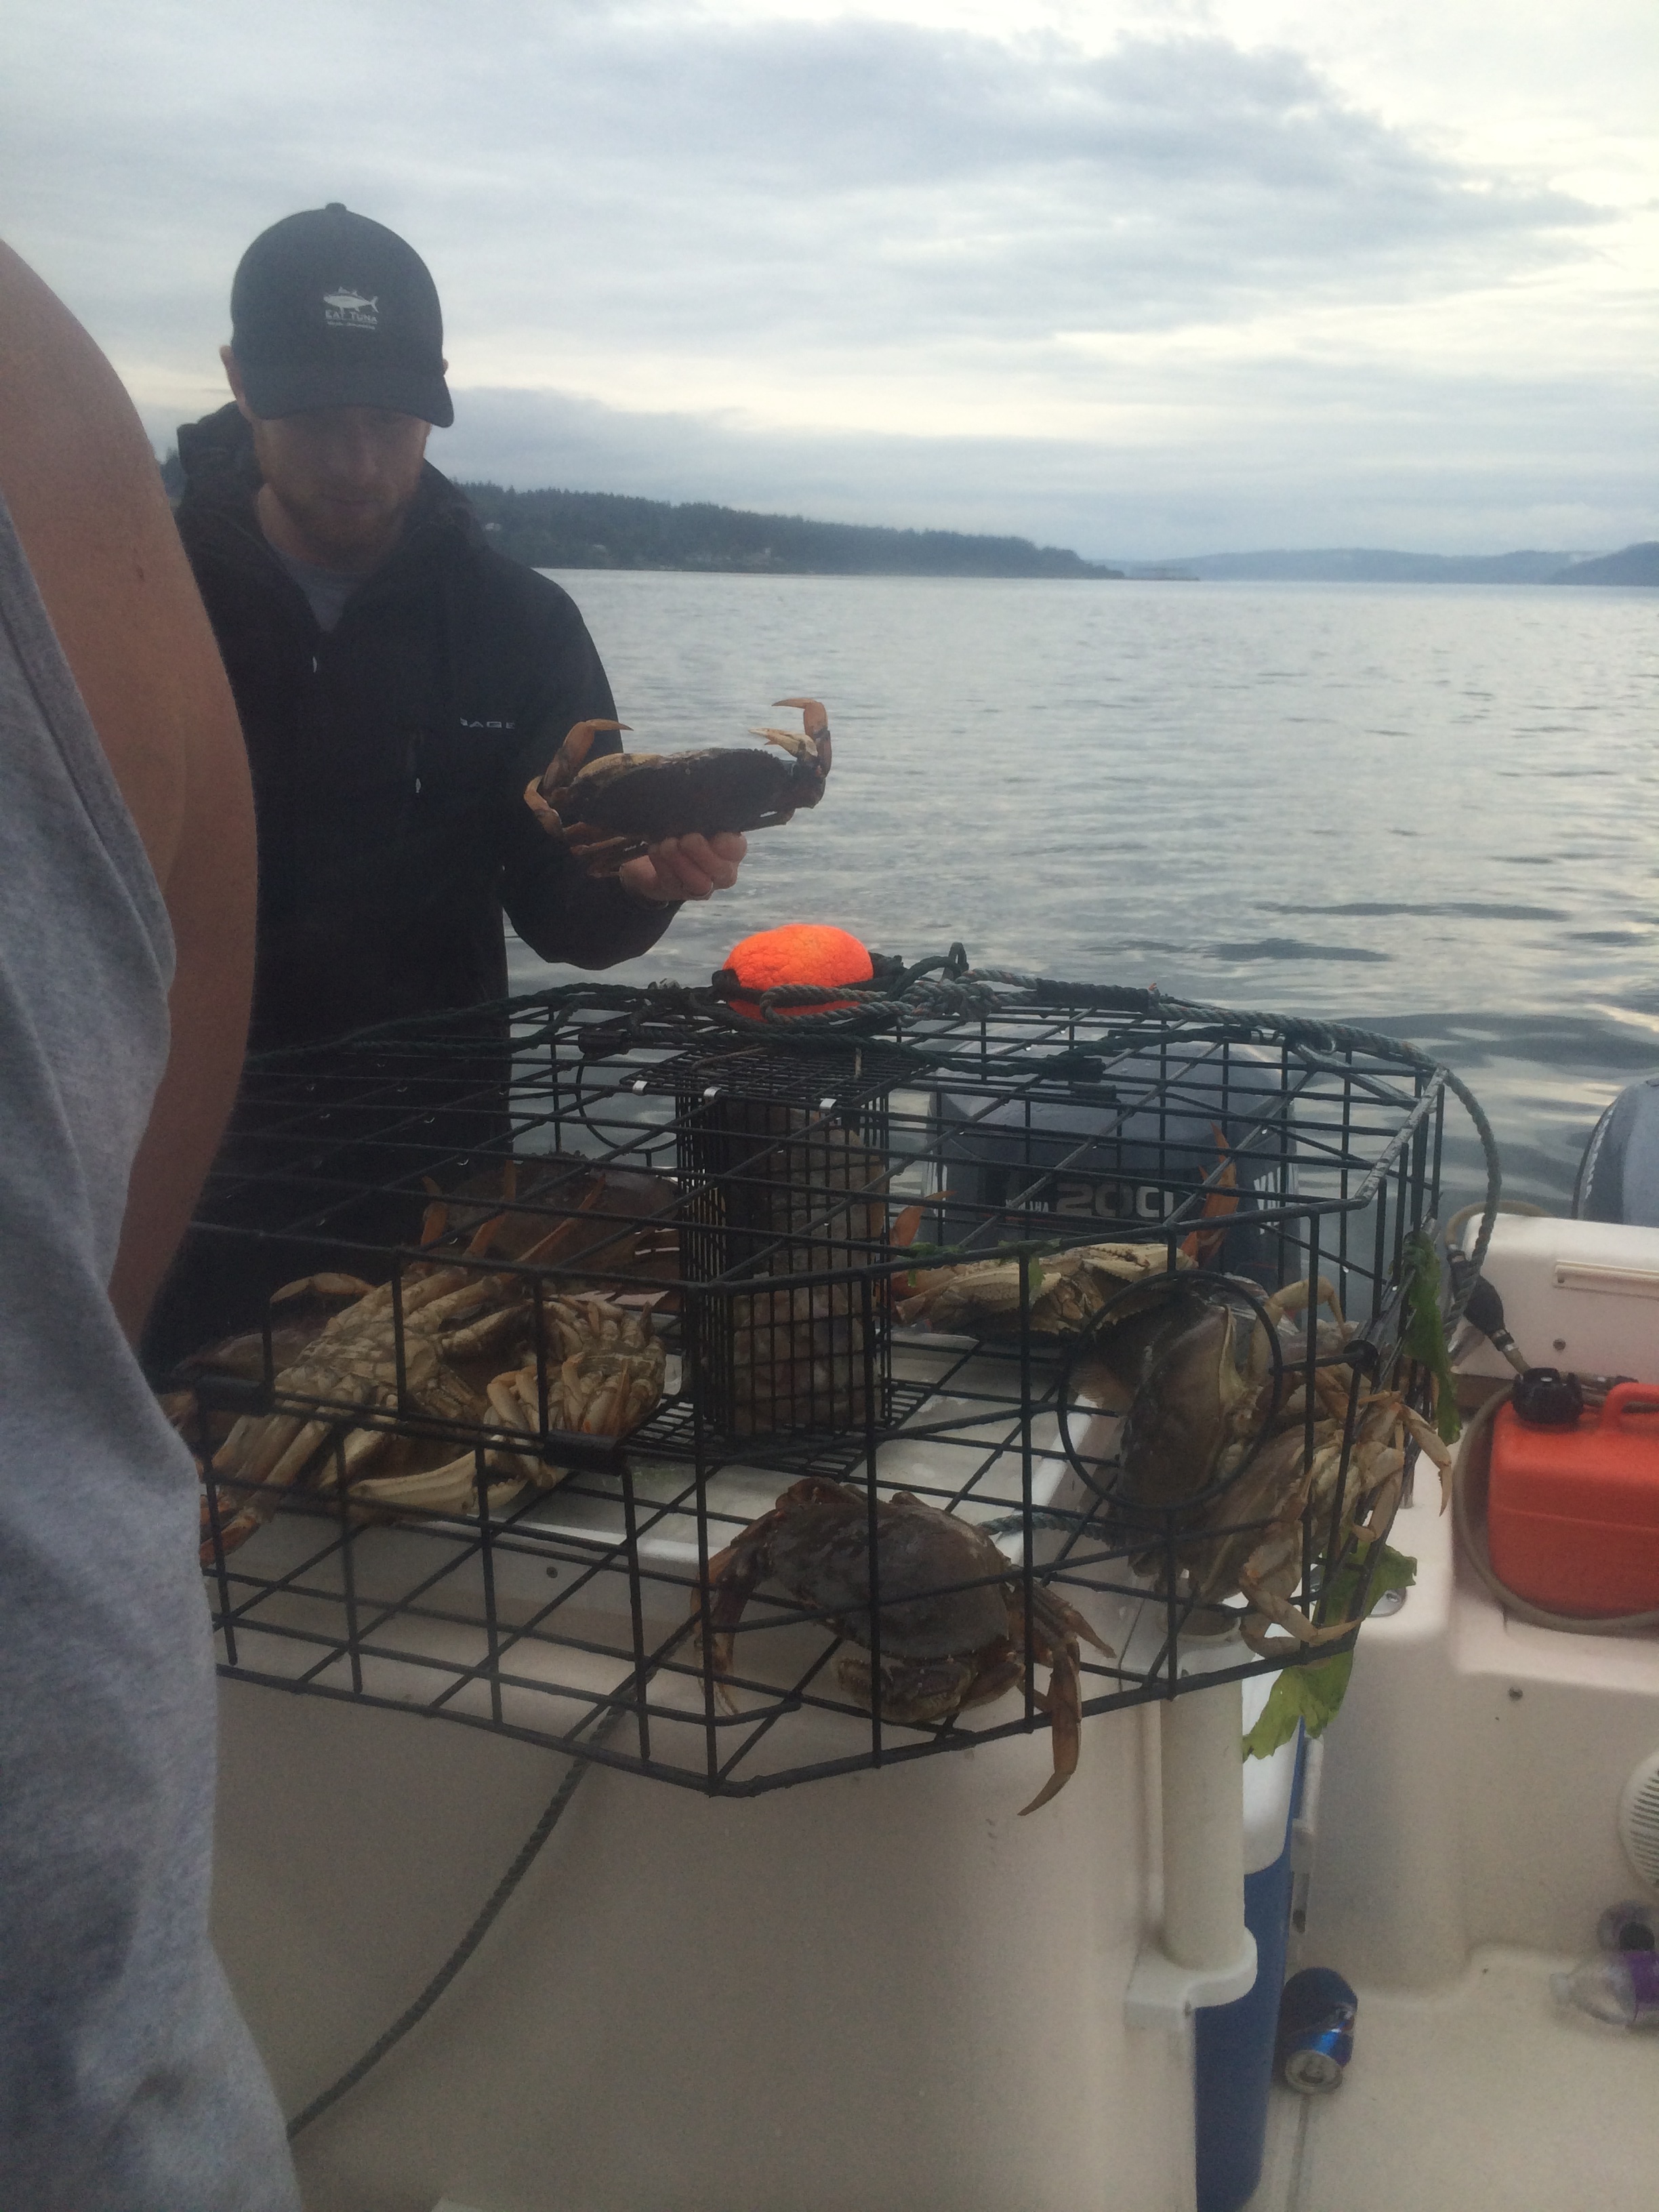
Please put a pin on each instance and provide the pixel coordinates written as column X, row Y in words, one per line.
column 1485, row 2093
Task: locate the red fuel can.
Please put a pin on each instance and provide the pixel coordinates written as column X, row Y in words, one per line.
column 1572, row 1515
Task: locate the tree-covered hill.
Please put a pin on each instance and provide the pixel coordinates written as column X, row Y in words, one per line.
column 1356, row 564
column 1636, row 564
column 603, row 530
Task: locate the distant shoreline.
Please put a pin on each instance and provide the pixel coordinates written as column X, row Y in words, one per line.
column 1635, row 565
column 606, row 530
column 593, row 530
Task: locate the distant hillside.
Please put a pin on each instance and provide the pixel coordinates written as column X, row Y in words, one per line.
column 602, row 530
column 1365, row 565
column 1637, row 564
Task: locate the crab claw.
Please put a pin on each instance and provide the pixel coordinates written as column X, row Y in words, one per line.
column 1056, row 1629
column 571, row 755
column 1063, row 1704
column 734, row 1575
column 814, row 720
column 809, row 746
column 1428, row 1440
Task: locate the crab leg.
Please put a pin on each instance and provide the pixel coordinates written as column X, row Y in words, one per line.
column 1382, row 1502
column 447, row 1296
column 1063, row 1704
column 480, row 1335
column 510, row 1408
column 571, row 755
column 275, row 1435
column 325, row 1285
column 1062, row 1701
column 1056, row 1627
column 542, row 793
column 260, row 1501
column 454, row 1485
column 1428, row 1440
column 1296, row 1298
column 814, row 718
column 304, row 1449
column 734, row 1576
column 511, row 1398
column 598, row 855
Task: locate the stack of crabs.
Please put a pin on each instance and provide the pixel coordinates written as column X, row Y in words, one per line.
column 1223, row 1465
column 582, row 1362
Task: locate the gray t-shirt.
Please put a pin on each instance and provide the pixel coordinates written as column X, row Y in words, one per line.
column 327, row 589
column 128, row 2082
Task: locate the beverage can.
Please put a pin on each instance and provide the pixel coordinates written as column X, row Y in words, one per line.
column 1316, row 2015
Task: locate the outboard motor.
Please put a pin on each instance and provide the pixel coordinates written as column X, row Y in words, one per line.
column 1124, row 1154
column 1618, row 1176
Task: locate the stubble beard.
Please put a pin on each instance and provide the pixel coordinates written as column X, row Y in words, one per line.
column 353, row 542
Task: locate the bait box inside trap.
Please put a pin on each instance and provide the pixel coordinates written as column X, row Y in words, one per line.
column 564, row 1616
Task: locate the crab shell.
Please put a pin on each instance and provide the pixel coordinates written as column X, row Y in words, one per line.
column 607, row 1379
column 352, row 1362
column 1064, row 1290
column 1204, row 1382
column 612, row 810
column 943, row 1645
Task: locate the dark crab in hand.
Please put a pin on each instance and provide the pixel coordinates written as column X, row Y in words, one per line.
column 952, row 1606
column 612, row 810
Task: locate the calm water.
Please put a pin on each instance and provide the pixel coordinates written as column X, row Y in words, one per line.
column 1428, row 810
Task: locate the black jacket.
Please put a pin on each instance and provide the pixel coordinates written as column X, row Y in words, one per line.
column 389, row 756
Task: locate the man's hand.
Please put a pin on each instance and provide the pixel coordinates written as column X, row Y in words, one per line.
column 690, row 867
column 685, row 868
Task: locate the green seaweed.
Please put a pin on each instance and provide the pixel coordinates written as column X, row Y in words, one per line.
column 1312, row 1695
column 1425, row 1338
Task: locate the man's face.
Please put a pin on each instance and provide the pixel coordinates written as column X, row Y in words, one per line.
column 338, row 480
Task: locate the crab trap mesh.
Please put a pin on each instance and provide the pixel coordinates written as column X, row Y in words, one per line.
column 742, row 1400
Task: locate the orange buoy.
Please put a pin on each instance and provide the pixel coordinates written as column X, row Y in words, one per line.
column 799, row 952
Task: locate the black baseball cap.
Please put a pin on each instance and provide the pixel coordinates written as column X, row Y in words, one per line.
column 329, row 309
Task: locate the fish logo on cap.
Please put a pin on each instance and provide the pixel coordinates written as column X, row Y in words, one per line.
column 349, row 310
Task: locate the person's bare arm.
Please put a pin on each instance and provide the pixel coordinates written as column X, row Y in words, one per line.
column 85, row 494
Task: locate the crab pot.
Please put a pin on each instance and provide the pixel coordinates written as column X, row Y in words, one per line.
column 639, row 1269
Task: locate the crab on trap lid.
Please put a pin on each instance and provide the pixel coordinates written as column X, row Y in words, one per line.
column 797, row 952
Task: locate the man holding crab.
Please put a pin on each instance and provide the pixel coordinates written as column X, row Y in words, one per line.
column 399, row 683
column 397, row 680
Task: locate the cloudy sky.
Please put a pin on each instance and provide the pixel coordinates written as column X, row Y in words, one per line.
column 1144, row 279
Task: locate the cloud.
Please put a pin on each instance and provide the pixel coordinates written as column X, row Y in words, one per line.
column 1342, row 465
column 832, row 262
column 661, row 178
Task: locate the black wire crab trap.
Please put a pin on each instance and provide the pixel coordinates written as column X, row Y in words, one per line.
column 658, row 1383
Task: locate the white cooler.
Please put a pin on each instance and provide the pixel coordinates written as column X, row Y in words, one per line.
column 1577, row 1295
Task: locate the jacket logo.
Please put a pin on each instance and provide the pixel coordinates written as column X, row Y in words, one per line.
column 466, row 724
column 349, row 310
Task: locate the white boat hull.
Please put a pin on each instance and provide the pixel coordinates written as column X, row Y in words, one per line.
column 882, row 1991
